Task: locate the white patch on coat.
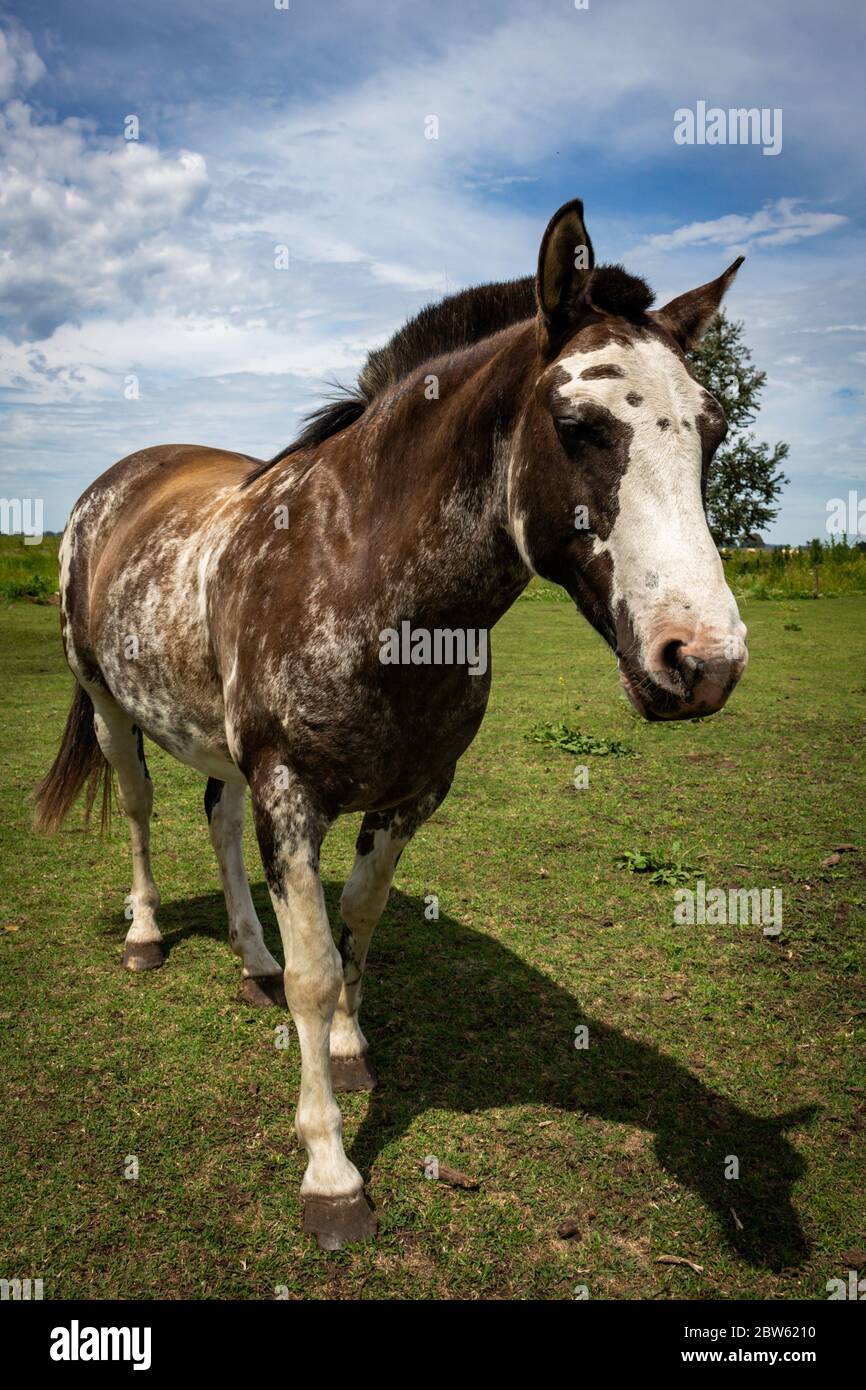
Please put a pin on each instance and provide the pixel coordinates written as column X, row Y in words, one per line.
column 175, row 571
column 516, row 519
column 666, row 567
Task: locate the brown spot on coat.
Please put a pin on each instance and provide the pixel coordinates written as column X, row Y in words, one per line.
column 602, row 370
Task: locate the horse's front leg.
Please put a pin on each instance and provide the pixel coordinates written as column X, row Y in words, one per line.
column 381, row 841
column 290, row 828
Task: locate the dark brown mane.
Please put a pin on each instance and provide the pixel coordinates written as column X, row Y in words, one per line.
column 454, row 323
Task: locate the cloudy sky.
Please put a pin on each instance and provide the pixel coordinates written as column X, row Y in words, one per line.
column 304, row 127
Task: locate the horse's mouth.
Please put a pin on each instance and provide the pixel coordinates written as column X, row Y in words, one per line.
column 638, row 695
column 653, row 702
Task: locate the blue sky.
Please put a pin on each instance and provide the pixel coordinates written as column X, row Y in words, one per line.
column 305, row 127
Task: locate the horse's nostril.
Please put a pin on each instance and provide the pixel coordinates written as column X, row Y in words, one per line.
column 670, row 655
column 691, row 668
column 686, row 670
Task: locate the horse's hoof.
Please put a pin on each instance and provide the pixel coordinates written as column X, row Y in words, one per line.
column 339, row 1221
column 352, row 1074
column 143, row 955
column 264, row 991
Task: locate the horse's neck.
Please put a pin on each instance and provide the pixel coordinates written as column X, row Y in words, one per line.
column 438, row 467
column 422, row 475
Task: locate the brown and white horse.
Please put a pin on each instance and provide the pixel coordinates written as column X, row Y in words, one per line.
column 238, row 613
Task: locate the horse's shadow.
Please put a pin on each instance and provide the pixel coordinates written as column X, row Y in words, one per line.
column 456, row 1021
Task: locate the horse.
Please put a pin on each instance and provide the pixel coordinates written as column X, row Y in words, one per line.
column 237, row 612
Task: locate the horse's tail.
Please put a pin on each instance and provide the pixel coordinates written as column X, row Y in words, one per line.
column 79, row 761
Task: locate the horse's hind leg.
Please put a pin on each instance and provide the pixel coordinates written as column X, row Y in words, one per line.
column 123, row 747
column 224, row 804
column 381, row 841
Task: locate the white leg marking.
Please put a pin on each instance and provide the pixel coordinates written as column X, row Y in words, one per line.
column 119, row 744
column 362, row 904
column 313, row 978
column 245, row 929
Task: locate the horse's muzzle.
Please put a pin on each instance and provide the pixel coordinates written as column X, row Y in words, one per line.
column 687, row 675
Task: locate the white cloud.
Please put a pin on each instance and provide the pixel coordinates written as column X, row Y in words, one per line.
column 88, row 362
column 777, row 224
column 837, row 328
column 391, row 274
column 20, row 64
column 89, row 224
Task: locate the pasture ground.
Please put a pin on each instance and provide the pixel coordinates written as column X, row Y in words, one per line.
column 705, row 1042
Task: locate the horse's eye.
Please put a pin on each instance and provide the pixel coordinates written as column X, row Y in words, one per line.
column 572, row 433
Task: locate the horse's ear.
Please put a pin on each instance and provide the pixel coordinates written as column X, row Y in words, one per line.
column 688, row 316
column 565, row 263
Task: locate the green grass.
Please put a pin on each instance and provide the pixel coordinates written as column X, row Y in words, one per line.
column 28, row 571
column 704, row 1042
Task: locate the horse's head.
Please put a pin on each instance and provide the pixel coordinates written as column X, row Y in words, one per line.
column 607, row 475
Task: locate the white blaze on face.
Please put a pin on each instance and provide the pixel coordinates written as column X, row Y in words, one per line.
column 666, row 568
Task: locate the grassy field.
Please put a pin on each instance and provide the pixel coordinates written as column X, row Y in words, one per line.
column 704, row 1042
column 30, row 571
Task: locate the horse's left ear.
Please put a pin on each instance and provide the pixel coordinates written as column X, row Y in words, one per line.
column 688, row 317
column 565, row 264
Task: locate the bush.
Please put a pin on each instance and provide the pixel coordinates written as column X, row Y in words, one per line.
column 785, row 574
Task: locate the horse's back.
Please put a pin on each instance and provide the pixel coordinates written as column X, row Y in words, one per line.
column 163, row 477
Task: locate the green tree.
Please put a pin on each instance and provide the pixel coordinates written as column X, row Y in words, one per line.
column 745, row 478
